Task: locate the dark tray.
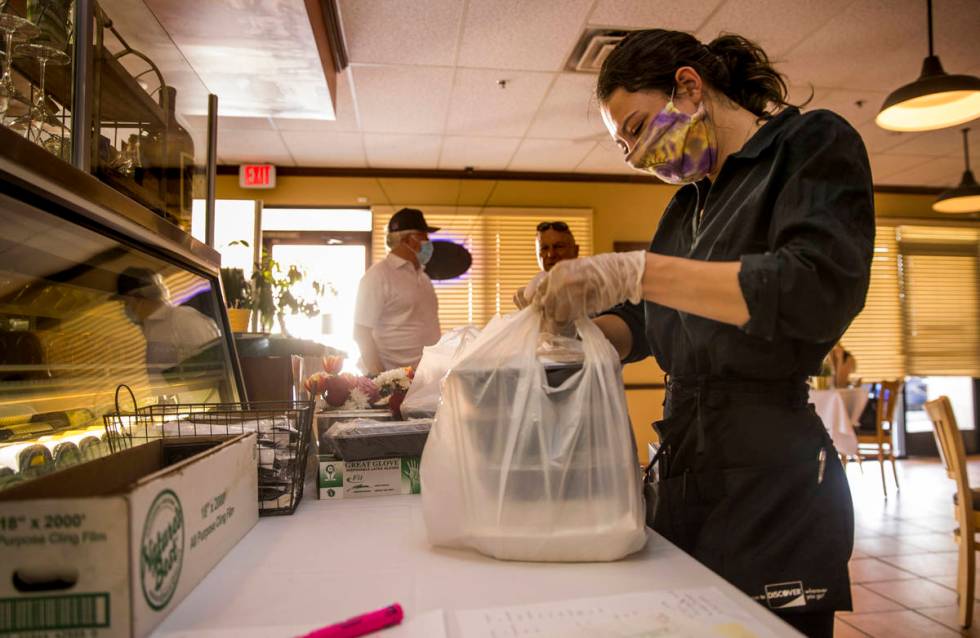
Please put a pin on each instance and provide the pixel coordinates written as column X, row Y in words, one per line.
column 378, row 439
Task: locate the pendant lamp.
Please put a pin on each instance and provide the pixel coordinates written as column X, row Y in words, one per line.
column 936, row 100
column 965, row 198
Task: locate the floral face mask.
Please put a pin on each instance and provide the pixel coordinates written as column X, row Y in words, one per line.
column 676, row 147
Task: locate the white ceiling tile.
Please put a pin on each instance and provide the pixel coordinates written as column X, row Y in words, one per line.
column 516, row 34
column 800, row 93
column 394, row 150
column 606, row 157
column 944, row 172
column 775, row 26
column 660, row 14
column 402, row 99
column 481, row 153
column 847, row 53
column 570, row 110
column 232, row 123
column 310, row 148
column 884, row 165
column 480, row 107
column 398, row 32
column 857, row 107
column 253, row 146
column 346, row 116
column 878, row 140
column 956, row 24
column 550, row 155
column 946, row 142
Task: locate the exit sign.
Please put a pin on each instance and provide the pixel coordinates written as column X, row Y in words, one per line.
column 257, row 176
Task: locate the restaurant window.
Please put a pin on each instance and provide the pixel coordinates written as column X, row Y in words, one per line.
column 501, row 241
column 939, row 278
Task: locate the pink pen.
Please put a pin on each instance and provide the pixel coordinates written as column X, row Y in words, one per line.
column 361, row 625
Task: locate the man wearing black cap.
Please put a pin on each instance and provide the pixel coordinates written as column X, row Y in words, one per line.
column 397, row 312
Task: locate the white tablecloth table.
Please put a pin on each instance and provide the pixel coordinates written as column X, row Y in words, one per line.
column 335, row 559
column 840, row 409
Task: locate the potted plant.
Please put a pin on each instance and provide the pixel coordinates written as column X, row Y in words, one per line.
column 274, row 294
column 238, row 298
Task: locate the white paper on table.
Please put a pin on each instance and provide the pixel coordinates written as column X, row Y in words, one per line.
column 430, row 624
column 685, row 613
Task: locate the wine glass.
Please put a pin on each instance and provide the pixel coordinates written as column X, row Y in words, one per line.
column 14, row 28
column 39, row 113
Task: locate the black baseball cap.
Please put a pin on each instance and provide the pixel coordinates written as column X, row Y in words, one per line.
column 133, row 278
column 409, row 219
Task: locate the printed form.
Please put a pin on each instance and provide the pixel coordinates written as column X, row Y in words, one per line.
column 684, row 613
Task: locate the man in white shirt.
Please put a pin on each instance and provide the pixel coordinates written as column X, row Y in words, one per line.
column 397, row 312
column 173, row 333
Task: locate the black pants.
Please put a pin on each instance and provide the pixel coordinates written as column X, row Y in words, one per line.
column 750, row 487
column 819, row 624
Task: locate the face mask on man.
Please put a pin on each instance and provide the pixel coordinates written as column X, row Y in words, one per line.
column 424, row 253
column 676, row 147
column 131, row 314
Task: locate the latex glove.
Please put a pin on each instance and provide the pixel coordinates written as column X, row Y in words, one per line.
column 523, row 296
column 586, row 286
column 521, row 300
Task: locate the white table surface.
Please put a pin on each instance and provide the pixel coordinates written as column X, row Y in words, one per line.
column 335, row 559
column 839, row 409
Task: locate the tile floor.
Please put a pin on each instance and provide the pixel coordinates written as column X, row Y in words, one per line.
column 903, row 571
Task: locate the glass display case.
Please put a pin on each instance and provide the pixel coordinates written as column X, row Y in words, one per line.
column 95, row 291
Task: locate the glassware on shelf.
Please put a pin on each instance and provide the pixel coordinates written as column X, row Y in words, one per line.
column 53, row 18
column 14, row 28
column 59, row 145
column 39, row 114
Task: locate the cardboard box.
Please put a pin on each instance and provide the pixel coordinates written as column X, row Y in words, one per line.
column 110, row 547
column 373, row 477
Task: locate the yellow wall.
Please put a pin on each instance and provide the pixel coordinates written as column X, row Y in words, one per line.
column 621, row 212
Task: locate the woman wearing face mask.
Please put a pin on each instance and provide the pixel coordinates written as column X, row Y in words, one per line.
column 760, row 262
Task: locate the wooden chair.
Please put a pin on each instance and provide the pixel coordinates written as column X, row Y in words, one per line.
column 879, row 445
column 966, row 501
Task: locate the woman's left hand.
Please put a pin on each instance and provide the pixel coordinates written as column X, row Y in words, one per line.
column 586, row 286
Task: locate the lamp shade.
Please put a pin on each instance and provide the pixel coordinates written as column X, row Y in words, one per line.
column 965, row 198
column 936, row 100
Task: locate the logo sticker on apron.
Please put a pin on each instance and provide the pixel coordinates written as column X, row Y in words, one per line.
column 785, row 595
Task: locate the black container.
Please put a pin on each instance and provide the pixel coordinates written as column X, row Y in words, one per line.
column 364, row 439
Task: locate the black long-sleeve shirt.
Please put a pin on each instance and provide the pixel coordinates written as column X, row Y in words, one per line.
column 795, row 205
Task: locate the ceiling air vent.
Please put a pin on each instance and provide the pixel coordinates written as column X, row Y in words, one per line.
column 592, row 49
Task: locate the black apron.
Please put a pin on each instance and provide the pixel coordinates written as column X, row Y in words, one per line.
column 751, row 486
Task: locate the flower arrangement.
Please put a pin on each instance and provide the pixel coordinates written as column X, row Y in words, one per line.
column 347, row 391
column 393, row 386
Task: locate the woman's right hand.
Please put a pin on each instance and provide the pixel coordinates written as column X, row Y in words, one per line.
column 520, row 300
column 586, row 286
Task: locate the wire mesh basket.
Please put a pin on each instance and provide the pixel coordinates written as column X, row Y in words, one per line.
column 283, row 430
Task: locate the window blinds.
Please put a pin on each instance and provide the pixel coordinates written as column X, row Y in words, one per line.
column 939, row 279
column 875, row 335
column 501, row 241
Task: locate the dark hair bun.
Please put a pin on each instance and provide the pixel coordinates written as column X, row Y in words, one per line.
column 746, row 75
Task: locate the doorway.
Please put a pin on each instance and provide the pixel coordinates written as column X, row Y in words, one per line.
column 336, row 261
